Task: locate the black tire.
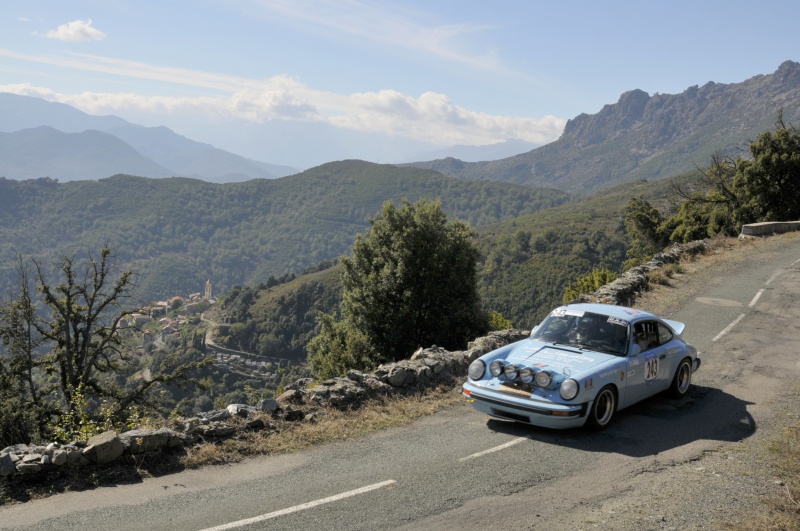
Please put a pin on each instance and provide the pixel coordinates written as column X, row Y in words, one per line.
column 682, row 379
column 603, row 408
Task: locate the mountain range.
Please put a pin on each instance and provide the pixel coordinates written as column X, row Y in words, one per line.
column 638, row 137
column 647, row 137
column 45, row 139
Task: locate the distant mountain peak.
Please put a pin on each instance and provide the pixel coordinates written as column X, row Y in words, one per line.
column 148, row 151
column 648, row 137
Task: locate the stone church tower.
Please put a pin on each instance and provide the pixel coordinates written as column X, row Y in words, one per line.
column 208, row 289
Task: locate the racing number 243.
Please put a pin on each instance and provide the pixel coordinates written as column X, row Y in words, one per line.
column 651, row 369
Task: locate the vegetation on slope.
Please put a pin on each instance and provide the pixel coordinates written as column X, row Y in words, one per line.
column 177, row 233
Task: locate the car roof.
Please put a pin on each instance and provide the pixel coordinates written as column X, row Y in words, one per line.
column 620, row 312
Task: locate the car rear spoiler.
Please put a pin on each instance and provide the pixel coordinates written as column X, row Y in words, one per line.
column 675, row 325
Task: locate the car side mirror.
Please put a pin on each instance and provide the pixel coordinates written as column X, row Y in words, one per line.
column 535, row 328
column 635, row 350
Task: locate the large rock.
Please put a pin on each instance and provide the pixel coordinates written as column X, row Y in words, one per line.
column 216, row 415
column 397, row 376
column 143, row 441
column 215, row 430
column 104, row 448
column 337, row 392
column 7, row 466
column 268, row 405
column 241, row 410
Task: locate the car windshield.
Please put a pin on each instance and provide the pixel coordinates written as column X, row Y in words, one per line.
column 585, row 330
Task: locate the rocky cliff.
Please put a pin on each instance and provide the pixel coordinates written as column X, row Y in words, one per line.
column 648, row 137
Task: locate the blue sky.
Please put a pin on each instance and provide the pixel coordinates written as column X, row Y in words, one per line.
column 437, row 72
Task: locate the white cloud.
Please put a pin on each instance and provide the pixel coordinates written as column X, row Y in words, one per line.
column 76, row 31
column 431, row 117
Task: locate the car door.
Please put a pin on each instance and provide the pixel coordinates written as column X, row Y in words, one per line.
column 648, row 367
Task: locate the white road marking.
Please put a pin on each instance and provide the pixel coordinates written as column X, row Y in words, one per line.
column 717, row 302
column 495, row 449
column 729, row 327
column 755, row 299
column 774, row 276
column 302, row 507
column 795, row 262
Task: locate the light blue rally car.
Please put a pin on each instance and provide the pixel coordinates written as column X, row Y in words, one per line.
column 581, row 365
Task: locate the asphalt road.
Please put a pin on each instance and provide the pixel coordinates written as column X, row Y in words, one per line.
column 459, row 469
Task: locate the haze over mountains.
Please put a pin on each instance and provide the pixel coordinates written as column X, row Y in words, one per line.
column 639, row 137
column 44, row 139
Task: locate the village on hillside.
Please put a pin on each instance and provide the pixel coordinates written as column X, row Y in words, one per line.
column 160, row 324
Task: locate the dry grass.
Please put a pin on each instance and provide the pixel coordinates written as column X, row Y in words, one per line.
column 328, row 425
column 779, row 513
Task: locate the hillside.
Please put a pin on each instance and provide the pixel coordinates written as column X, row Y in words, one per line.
column 527, row 262
column 47, row 152
column 177, row 233
column 647, row 137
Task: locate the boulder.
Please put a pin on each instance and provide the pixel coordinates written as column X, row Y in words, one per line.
column 292, row 396
column 293, row 415
column 397, row 376
column 75, row 456
column 7, row 466
column 104, row 448
column 268, row 405
column 28, row 468
column 241, row 410
column 143, row 441
column 215, row 430
column 59, row 457
column 216, row 415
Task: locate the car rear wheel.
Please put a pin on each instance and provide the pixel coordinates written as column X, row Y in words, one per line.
column 682, row 379
column 603, row 408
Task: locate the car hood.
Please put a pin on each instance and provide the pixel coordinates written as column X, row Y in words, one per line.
column 559, row 359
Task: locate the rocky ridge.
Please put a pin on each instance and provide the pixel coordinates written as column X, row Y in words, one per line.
column 644, row 136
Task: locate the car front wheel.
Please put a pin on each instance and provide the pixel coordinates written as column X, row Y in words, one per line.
column 682, row 379
column 603, row 408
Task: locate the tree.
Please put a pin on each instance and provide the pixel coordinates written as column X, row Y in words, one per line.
column 709, row 209
column 21, row 414
column 411, row 282
column 768, row 184
column 339, row 347
column 588, row 283
column 764, row 187
column 71, row 359
column 86, row 316
column 643, row 223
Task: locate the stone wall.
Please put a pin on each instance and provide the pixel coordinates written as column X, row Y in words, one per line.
column 767, row 228
column 300, row 402
column 628, row 285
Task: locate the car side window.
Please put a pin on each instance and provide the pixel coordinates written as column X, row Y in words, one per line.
column 664, row 334
column 646, row 335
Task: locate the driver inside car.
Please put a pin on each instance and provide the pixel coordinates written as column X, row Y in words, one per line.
column 582, row 331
